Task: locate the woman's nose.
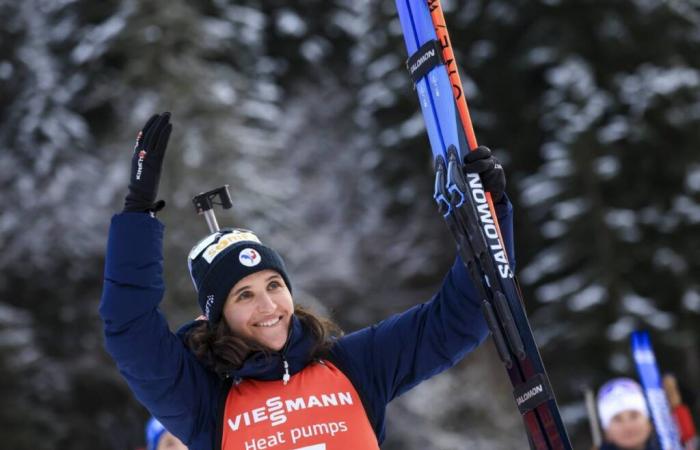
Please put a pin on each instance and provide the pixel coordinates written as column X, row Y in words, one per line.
column 265, row 303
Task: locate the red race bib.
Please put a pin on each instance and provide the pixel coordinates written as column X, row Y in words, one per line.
column 319, row 409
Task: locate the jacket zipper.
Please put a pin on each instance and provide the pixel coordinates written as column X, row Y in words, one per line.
column 286, row 376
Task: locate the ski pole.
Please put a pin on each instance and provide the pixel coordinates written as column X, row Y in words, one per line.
column 592, row 411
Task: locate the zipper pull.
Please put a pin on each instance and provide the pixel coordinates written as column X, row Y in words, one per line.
column 286, row 376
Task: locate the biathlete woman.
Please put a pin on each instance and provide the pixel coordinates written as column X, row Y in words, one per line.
column 261, row 372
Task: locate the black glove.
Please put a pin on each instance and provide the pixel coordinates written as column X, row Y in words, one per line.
column 146, row 164
column 493, row 178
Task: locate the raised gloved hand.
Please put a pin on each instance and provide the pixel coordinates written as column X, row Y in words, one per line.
column 493, row 177
column 146, row 164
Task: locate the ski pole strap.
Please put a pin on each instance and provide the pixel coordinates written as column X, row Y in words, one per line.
column 532, row 393
column 428, row 56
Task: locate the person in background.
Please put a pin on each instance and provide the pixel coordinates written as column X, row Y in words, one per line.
column 624, row 416
column 681, row 412
column 158, row 438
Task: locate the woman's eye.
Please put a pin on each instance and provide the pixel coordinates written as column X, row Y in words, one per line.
column 245, row 295
column 274, row 284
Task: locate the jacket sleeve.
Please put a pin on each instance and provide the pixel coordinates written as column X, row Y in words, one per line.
column 391, row 357
column 162, row 373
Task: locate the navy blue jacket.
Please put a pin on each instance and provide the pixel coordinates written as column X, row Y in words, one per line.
column 383, row 361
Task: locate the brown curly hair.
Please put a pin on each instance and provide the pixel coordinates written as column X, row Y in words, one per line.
column 222, row 350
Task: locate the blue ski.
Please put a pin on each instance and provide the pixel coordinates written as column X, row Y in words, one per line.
column 648, row 371
column 464, row 205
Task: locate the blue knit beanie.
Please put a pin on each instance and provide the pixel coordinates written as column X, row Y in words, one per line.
column 221, row 260
column 154, row 431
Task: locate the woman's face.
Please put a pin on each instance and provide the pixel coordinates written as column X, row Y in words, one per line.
column 169, row 442
column 629, row 430
column 260, row 307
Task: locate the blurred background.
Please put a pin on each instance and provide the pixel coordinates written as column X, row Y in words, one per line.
column 305, row 109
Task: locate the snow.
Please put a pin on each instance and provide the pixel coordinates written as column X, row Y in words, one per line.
column 624, row 222
column 354, row 22
column 668, row 259
column 538, row 190
column 638, row 89
column 315, row 48
column 383, row 65
column 481, row 50
column 692, row 178
column 223, row 92
column 570, row 209
column 621, row 329
column 94, row 41
column 546, row 262
column 691, row 300
column 685, row 207
column 644, row 308
column 616, row 129
column 288, row 22
column 6, row 70
column 588, row 297
column 607, row 167
column 557, row 290
column 553, row 229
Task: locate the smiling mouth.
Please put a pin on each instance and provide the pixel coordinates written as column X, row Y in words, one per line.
column 269, row 323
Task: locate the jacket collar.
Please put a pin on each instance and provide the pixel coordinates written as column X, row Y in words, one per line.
column 270, row 366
